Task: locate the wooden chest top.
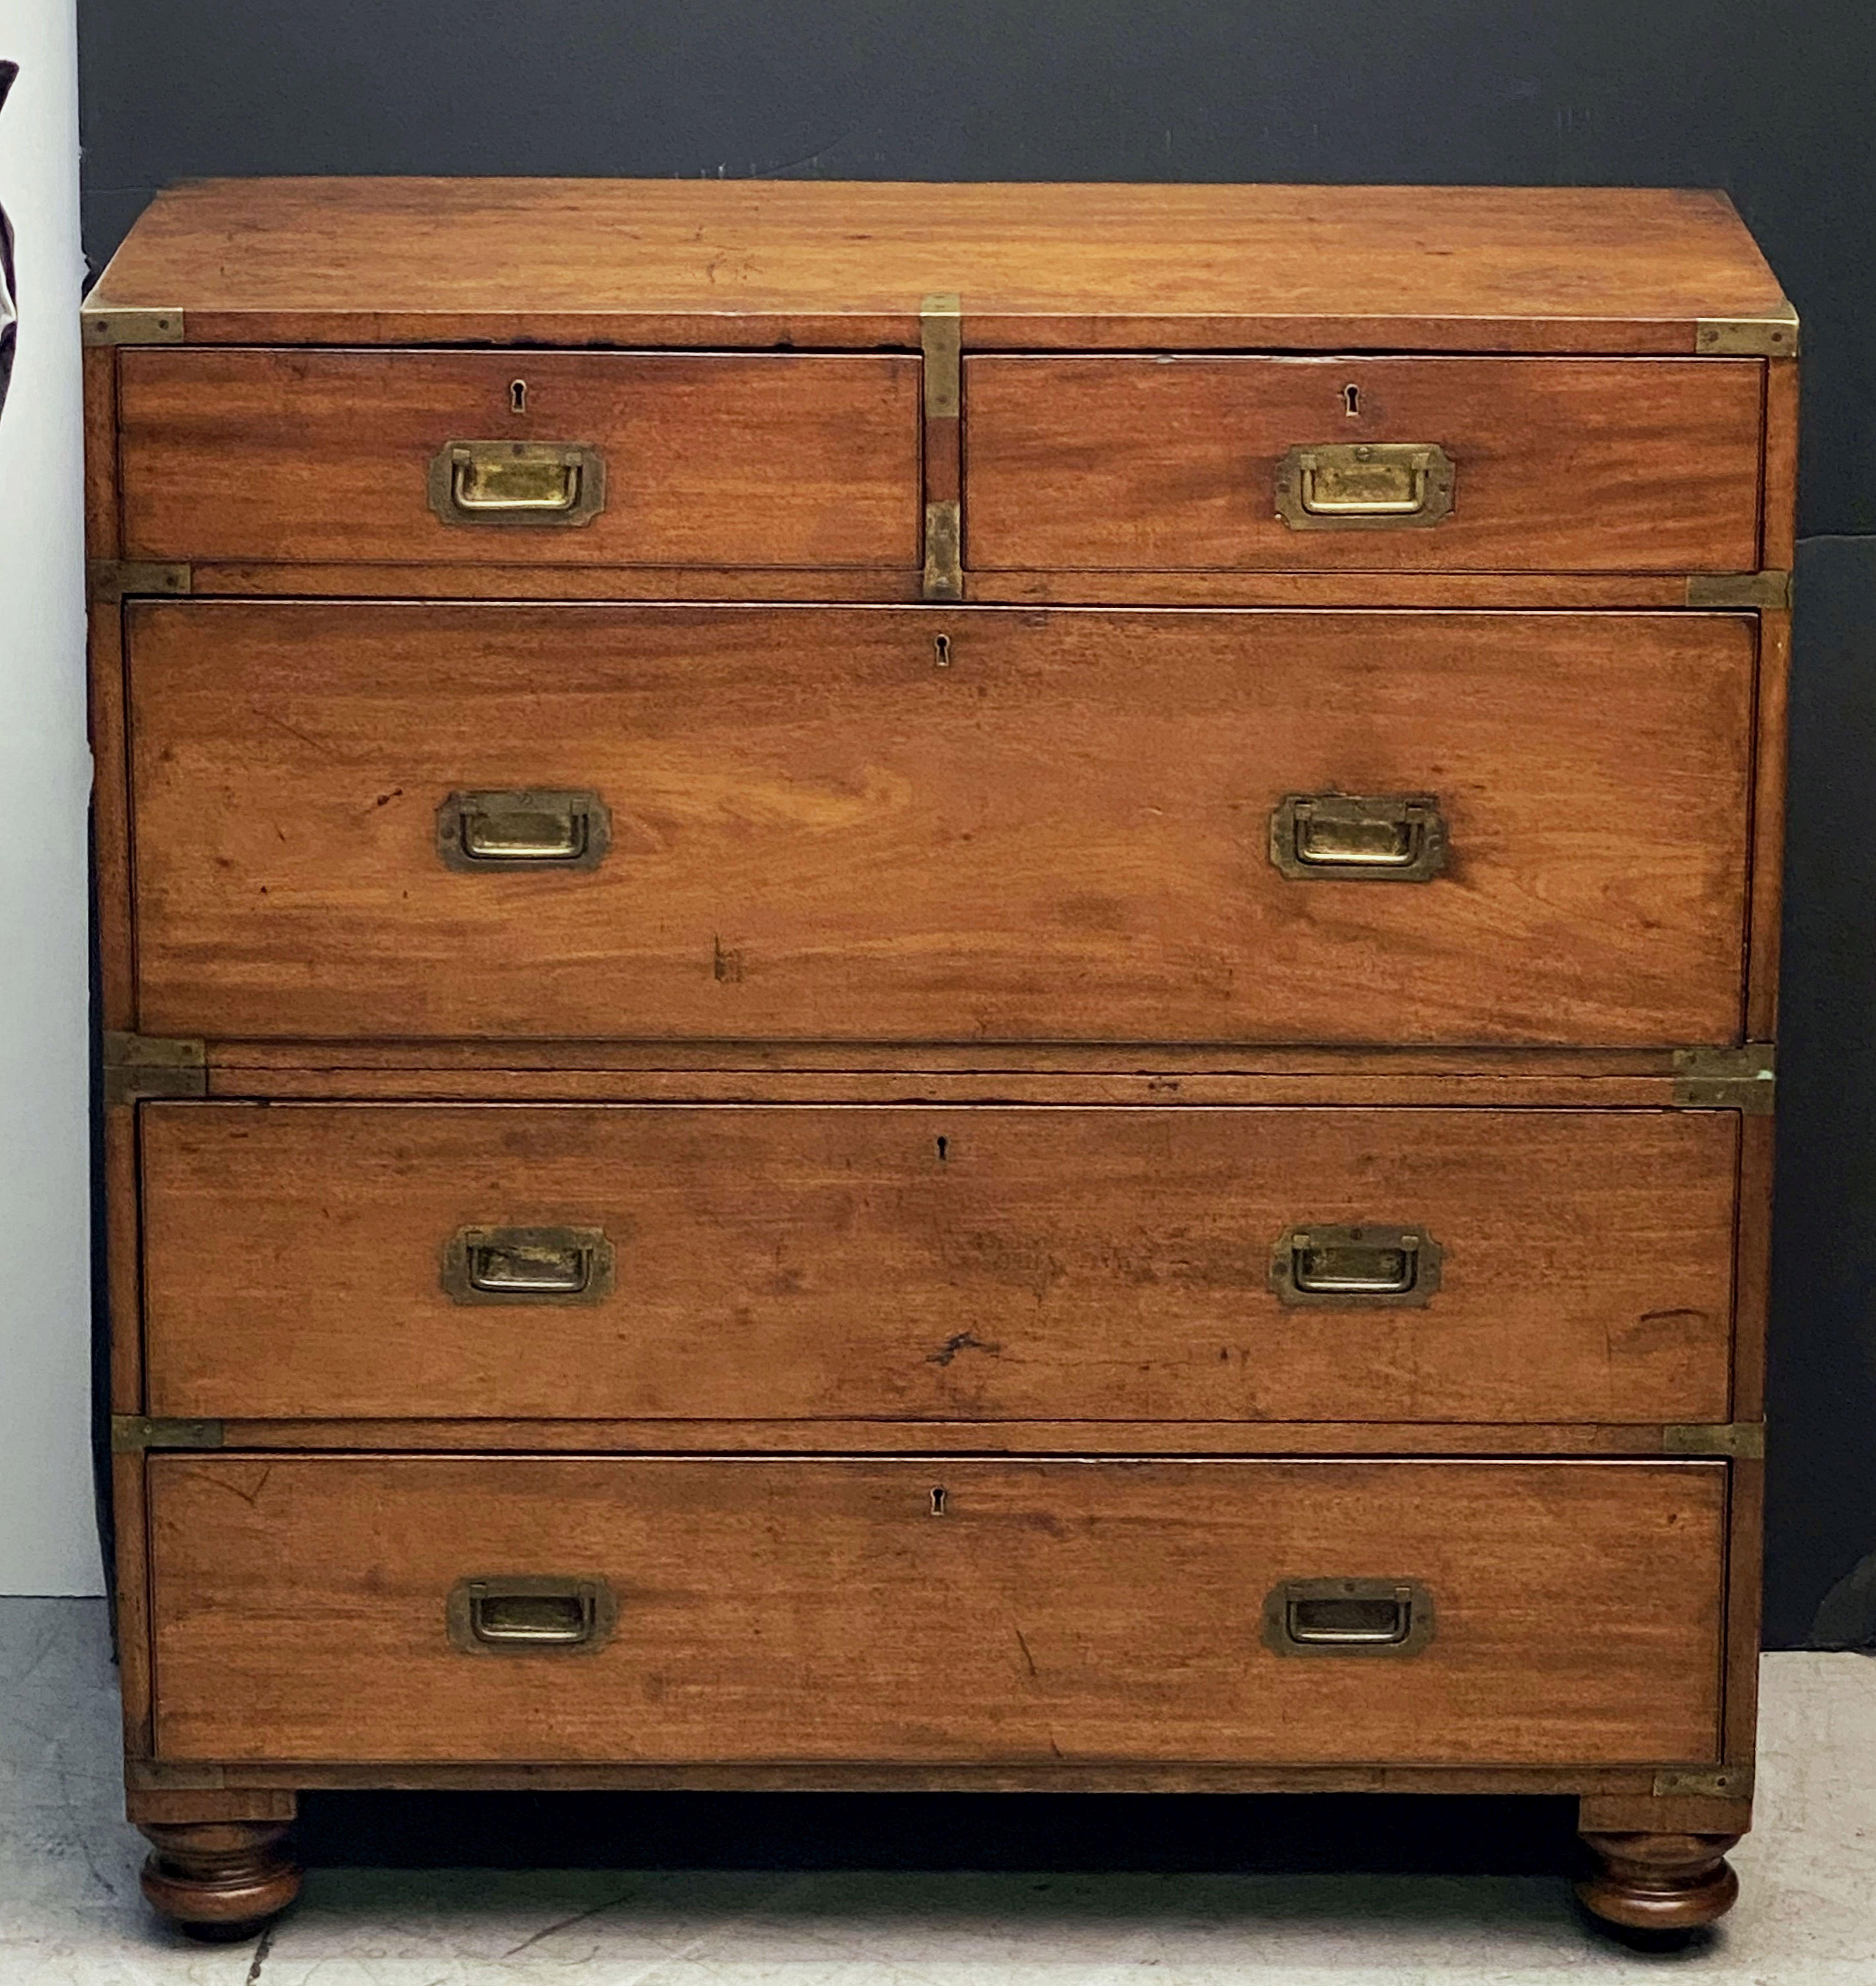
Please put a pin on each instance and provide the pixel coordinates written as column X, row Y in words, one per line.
column 748, row 263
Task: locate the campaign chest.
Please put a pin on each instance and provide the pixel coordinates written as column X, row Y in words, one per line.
column 854, row 931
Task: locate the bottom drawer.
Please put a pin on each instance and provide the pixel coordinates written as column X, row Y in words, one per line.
column 365, row 1609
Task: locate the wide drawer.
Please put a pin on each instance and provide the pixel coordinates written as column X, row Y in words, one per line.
column 1597, row 465
column 406, row 1609
column 512, row 458
column 811, row 1262
column 895, row 823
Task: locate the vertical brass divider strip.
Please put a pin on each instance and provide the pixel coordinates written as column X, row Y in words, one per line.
column 941, row 339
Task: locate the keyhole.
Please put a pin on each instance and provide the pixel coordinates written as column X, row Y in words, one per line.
column 944, row 1145
column 940, row 650
column 1352, row 401
column 517, row 396
column 937, row 1503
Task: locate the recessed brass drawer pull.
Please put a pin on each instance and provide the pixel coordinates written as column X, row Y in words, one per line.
column 1385, row 838
column 526, row 1612
column 1364, row 486
column 511, row 1265
column 517, row 482
column 1350, row 1267
column 528, row 829
column 1348, row 1617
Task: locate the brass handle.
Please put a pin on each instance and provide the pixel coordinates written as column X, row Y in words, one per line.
column 517, row 482
column 1350, row 1267
column 1364, row 485
column 510, row 1265
column 522, row 1613
column 529, row 828
column 1350, row 837
column 1348, row 1617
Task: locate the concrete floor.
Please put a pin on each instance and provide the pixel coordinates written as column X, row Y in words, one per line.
column 70, row 1912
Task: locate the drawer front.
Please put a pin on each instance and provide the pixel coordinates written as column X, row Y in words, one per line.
column 730, row 459
column 1593, row 464
column 897, row 823
column 380, row 1609
column 799, row 1262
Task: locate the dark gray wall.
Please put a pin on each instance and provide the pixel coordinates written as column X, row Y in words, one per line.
column 1770, row 101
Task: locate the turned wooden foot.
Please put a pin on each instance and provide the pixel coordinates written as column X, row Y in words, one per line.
column 1660, row 1883
column 220, row 1879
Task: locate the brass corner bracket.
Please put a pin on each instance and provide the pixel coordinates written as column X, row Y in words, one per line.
column 108, row 580
column 1733, row 1782
column 1775, row 335
column 104, row 324
column 1768, row 589
column 132, row 1434
column 1742, row 1440
column 140, row 1066
column 1745, row 1079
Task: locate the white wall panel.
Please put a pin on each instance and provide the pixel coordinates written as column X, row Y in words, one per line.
column 47, row 1536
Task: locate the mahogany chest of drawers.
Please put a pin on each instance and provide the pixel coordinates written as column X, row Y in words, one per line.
column 860, row 931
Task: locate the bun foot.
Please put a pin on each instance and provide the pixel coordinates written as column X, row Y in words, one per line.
column 1660, row 1886
column 219, row 1880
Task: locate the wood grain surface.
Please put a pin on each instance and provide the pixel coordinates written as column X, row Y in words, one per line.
column 1569, row 465
column 1745, row 1607
column 1559, row 1070
column 99, row 376
column 1071, row 1611
column 739, row 459
column 1614, row 1787
column 976, row 1262
column 1631, row 1440
column 263, row 580
column 1752, row 1272
column 107, row 726
column 562, row 1072
column 1060, row 831
column 501, row 1076
column 1215, row 587
column 1780, row 472
column 325, row 261
column 130, row 1589
column 936, row 1043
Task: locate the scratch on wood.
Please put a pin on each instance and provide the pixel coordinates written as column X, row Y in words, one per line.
column 964, row 1342
column 306, row 738
column 221, row 1480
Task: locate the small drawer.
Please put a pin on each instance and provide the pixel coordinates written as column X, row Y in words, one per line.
column 516, row 458
column 1362, row 464
column 486, row 1609
column 890, row 824
column 808, row 1262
